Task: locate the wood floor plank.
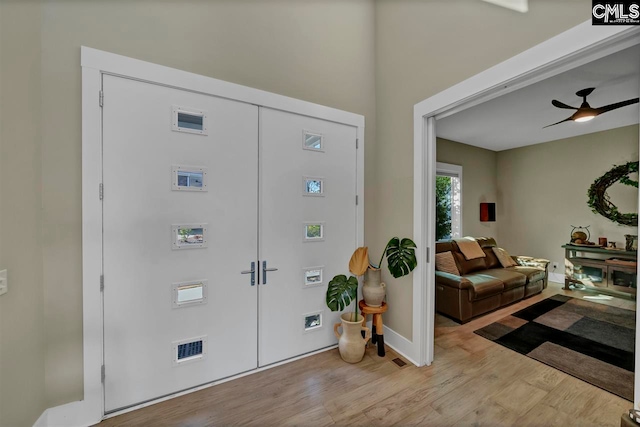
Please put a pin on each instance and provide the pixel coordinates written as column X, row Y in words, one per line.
column 472, row 381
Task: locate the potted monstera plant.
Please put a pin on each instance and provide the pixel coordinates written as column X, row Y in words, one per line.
column 343, row 290
column 401, row 260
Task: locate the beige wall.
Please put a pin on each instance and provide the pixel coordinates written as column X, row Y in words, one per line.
column 373, row 59
column 321, row 52
column 478, row 183
column 422, row 48
column 21, row 309
column 543, row 191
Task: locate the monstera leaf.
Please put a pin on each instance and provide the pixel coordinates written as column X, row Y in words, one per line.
column 359, row 261
column 341, row 292
column 401, row 256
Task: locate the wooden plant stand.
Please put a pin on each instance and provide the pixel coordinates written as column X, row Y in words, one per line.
column 377, row 328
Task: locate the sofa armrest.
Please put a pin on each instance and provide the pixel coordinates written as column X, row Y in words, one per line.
column 452, row 281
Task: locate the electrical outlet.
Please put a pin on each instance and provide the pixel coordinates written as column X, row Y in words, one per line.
column 555, row 265
column 4, row 284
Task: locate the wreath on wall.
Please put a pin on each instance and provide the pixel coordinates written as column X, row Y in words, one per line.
column 599, row 199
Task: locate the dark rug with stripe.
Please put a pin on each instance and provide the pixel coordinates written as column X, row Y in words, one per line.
column 590, row 341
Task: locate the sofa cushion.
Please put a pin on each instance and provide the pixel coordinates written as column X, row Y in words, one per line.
column 533, row 273
column 504, row 257
column 469, row 266
column 491, row 259
column 486, row 242
column 510, row 278
column 446, row 263
column 446, row 246
column 483, row 286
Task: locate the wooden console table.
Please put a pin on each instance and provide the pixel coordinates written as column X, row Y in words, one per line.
column 602, row 275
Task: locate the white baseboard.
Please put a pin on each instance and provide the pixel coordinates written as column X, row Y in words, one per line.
column 43, row 420
column 74, row 414
column 400, row 345
column 556, row 278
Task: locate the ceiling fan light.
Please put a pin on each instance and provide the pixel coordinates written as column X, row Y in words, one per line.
column 583, row 119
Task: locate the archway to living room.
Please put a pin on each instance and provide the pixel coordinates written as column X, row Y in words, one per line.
column 440, row 129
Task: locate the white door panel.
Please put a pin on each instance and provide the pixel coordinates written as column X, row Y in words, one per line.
column 140, row 266
column 285, row 299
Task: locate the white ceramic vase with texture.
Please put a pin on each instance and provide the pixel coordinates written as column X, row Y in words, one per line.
column 373, row 289
column 350, row 342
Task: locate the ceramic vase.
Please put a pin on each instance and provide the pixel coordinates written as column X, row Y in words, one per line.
column 373, row 290
column 350, row 342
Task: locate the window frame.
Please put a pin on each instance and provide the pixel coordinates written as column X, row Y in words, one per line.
column 453, row 171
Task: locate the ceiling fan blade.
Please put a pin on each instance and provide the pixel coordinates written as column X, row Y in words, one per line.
column 585, row 92
column 616, row 105
column 568, row 119
column 559, row 104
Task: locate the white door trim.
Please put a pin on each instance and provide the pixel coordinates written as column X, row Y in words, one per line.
column 95, row 63
column 577, row 46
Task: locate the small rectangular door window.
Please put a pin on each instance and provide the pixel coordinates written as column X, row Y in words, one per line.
column 190, row 120
column 188, row 178
column 314, row 232
column 189, row 236
column 312, row 141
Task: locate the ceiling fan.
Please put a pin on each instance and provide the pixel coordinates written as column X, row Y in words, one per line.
column 586, row 112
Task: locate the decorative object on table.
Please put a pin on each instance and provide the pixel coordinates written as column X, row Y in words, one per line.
column 487, row 212
column 599, row 199
column 581, row 235
column 578, row 273
column 602, row 241
column 590, row 341
column 373, row 289
column 612, row 245
column 631, row 243
column 401, row 260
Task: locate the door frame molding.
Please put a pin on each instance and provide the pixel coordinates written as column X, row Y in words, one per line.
column 575, row 47
column 95, row 64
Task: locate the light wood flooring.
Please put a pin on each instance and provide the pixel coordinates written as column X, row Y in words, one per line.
column 472, row 382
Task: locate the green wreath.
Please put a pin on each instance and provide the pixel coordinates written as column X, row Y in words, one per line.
column 599, row 199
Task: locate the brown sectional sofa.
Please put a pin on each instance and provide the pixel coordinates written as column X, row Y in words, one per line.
column 483, row 284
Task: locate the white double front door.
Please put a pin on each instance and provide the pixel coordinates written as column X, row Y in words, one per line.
column 222, row 224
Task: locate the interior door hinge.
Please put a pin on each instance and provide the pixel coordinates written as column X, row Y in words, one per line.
column 101, row 191
column 102, row 374
column 102, row 283
column 427, row 252
column 101, row 98
column 356, row 200
column 356, row 143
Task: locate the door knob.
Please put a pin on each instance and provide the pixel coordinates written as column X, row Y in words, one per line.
column 264, row 272
column 252, row 272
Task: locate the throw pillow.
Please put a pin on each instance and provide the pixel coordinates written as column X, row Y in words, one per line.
column 470, row 249
column 504, row 257
column 446, row 263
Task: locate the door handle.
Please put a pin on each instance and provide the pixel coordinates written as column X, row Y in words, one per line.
column 252, row 272
column 264, row 272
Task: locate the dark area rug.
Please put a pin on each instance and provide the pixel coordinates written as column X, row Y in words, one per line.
column 590, row 341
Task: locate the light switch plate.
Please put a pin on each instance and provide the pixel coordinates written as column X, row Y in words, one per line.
column 4, row 284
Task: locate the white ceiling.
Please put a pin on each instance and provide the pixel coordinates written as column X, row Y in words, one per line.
column 517, row 119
